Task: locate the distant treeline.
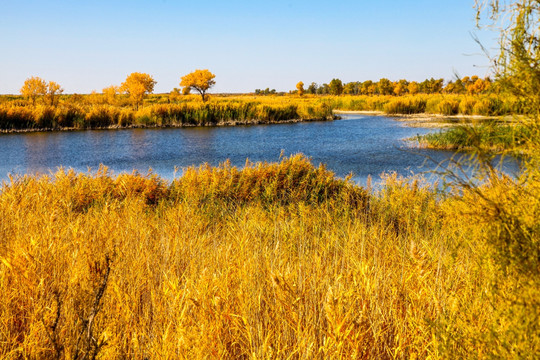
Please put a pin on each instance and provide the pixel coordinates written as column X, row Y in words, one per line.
column 466, row 85
column 48, row 108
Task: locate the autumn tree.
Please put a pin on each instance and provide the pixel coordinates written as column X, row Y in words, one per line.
column 368, row 87
column 137, row 86
column 455, row 87
column 401, row 87
column 431, row 86
column 110, row 93
column 336, row 87
column 199, row 80
column 300, row 88
column 413, row 88
column 385, row 87
column 324, row 89
column 34, row 87
column 478, row 86
column 312, row 88
column 349, row 88
column 53, row 91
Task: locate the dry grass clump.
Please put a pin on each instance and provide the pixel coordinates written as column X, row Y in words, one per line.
column 270, row 261
column 292, row 180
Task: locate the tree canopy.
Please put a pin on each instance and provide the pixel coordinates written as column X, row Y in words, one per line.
column 53, row 89
column 336, row 87
column 137, row 86
column 300, row 88
column 34, row 87
column 199, row 80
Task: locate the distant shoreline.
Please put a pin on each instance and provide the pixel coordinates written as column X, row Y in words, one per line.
column 412, row 120
column 425, row 119
column 417, row 116
column 167, row 126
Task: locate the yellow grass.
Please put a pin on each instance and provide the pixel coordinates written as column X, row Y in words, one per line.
column 274, row 261
column 100, row 111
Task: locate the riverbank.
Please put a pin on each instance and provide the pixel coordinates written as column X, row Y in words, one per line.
column 97, row 111
column 155, row 126
column 164, row 148
column 496, row 134
column 219, row 112
column 427, row 120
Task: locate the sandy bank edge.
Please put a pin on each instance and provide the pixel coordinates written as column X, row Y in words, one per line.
column 426, row 119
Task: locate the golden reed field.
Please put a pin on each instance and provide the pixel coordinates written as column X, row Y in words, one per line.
column 271, row 261
column 163, row 110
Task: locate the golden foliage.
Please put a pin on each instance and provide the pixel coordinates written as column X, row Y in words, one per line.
column 199, row 80
column 110, row 93
column 137, row 86
column 34, row 87
column 300, row 88
column 53, row 90
column 413, row 88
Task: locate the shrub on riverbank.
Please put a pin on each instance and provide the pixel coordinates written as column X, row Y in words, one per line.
column 272, row 261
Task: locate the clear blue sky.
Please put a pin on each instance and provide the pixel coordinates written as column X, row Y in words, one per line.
column 88, row 45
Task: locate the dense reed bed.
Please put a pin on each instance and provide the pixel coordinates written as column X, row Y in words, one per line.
column 442, row 104
column 98, row 111
column 93, row 111
column 270, row 261
column 488, row 136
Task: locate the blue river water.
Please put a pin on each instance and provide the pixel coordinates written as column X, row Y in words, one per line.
column 358, row 144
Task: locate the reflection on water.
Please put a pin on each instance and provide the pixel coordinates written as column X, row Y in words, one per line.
column 362, row 145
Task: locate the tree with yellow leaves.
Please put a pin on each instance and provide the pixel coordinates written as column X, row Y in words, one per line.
column 300, row 88
column 199, row 80
column 413, row 88
column 137, row 86
column 34, row 87
column 478, row 86
column 53, row 91
column 110, row 93
column 401, row 87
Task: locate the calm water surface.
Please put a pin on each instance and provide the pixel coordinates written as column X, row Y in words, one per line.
column 363, row 145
